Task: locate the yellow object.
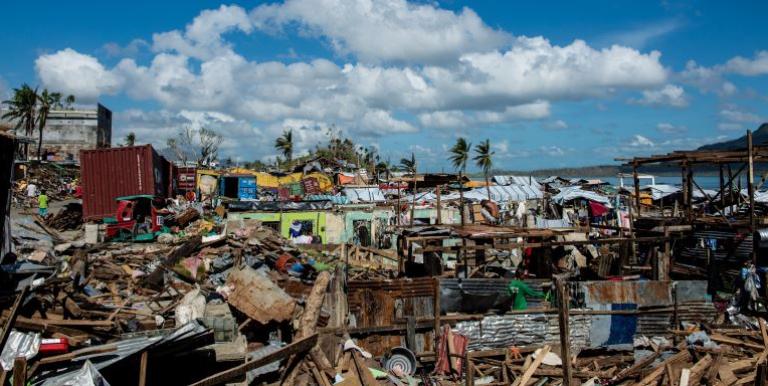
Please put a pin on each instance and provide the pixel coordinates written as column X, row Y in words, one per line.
column 266, row 180
column 476, row 184
column 646, row 199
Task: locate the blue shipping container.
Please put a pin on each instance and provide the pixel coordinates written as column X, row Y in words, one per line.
column 246, row 189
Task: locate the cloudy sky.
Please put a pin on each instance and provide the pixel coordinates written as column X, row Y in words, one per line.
column 550, row 83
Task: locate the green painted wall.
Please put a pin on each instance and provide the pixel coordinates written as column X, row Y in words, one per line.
column 286, row 219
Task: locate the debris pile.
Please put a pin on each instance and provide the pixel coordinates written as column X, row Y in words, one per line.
column 58, row 181
column 70, row 217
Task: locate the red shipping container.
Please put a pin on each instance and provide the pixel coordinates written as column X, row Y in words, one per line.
column 185, row 179
column 121, row 171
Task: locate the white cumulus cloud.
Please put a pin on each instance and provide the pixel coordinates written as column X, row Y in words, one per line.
column 669, row 95
column 385, row 30
column 74, row 73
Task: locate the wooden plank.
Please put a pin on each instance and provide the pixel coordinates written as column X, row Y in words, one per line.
column 565, row 336
column 685, row 376
column 528, row 373
column 11, row 319
column 143, row 369
column 19, row 371
column 300, row 346
column 362, row 370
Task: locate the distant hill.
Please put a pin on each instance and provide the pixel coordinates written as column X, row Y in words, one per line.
column 759, row 137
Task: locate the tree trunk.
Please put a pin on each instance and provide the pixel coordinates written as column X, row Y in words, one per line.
column 40, row 142
column 461, row 198
column 488, row 187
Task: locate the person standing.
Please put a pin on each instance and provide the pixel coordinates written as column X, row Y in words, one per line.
column 42, row 203
column 518, row 289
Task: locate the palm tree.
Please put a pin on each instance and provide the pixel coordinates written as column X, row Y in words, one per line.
column 22, row 107
column 409, row 165
column 47, row 101
column 483, row 160
column 69, row 101
column 130, row 139
column 383, row 167
column 284, row 144
column 459, row 156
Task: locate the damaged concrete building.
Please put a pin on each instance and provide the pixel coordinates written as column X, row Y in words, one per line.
column 67, row 131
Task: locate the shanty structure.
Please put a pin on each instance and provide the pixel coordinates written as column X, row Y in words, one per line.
column 722, row 226
column 7, row 152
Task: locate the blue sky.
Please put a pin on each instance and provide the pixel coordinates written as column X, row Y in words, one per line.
column 550, row 83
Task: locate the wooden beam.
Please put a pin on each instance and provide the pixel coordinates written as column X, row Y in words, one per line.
column 565, row 332
column 300, row 346
column 751, row 191
column 11, row 319
column 20, row 371
column 540, row 354
column 143, row 369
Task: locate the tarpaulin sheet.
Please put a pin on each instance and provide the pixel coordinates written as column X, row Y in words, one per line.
column 367, row 194
column 269, row 206
column 573, row 193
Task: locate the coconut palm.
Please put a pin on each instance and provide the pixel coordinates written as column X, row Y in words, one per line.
column 483, row 160
column 47, row 100
column 409, row 165
column 459, row 156
column 69, row 101
column 22, row 108
column 284, row 144
column 130, row 139
column 383, row 167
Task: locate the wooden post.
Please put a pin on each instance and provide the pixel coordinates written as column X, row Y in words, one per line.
column 636, row 181
column 436, row 310
column 439, row 209
column 20, row 371
column 413, row 203
column 751, row 191
column 684, row 172
column 397, row 212
column 689, row 192
column 565, row 336
column 665, row 260
column 730, row 187
column 722, row 188
column 143, row 369
column 461, row 198
column 632, row 248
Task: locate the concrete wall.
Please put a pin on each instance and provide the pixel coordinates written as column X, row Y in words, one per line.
column 334, row 227
column 68, row 131
column 286, row 219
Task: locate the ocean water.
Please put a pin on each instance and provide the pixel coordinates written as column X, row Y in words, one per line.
column 706, row 182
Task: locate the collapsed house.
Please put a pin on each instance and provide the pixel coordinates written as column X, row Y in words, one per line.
column 249, row 277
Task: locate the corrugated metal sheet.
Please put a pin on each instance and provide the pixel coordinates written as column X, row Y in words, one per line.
column 110, row 173
column 502, row 331
column 461, row 295
column 376, row 303
column 505, row 193
column 573, row 193
column 517, row 180
column 367, row 194
column 737, row 248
